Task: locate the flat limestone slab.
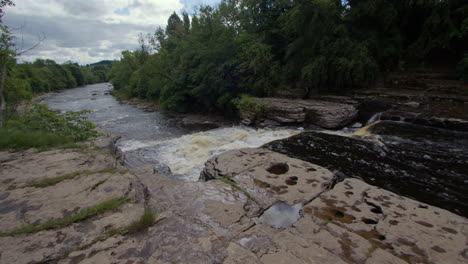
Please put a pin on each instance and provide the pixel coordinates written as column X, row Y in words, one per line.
column 34, row 206
column 20, row 168
column 412, row 231
column 48, row 245
column 233, row 218
column 269, row 177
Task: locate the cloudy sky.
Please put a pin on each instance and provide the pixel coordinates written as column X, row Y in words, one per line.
column 87, row 31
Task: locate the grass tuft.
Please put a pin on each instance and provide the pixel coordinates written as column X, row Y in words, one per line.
column 52, row 181
column 84, row 214
column 234, row 185
column 16, row 139
column 146, row 220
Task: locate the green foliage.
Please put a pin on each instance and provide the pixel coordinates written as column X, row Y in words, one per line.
column 73, row 125
column 146, row 220
column 12, row 138
column 84, row 214
column 17, row 90
column 38, row 126
column 206, row 61
column 233, row 184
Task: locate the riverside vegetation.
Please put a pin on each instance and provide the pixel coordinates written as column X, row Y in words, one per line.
column 40, row 127
column 206, row 60
column 22, row 81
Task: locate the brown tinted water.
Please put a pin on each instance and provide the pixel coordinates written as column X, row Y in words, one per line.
column 424, row 163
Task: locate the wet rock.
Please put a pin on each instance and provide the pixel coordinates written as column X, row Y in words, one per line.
column 392, row 156
column 247, row 122
column 399, row 116
column 369, row 108
column 412, row 104
column 200, row 123
column 338, row 99
column 269, row 123
column 285, row 111
column 356, row 125
column 444, row 123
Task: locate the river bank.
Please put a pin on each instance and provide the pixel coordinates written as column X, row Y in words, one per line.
column 257, row 206
column 414, row 146
column 250, row 206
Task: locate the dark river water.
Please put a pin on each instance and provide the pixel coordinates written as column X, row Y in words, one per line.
column 424, row 163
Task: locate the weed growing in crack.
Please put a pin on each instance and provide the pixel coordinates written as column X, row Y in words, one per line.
column 146, row 220
column 84, row 214
column 53, row 181
column 235, row 186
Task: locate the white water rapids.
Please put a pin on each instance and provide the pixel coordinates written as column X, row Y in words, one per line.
column 151, row 138
column 186, row 155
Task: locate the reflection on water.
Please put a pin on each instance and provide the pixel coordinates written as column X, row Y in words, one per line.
column 115, row 118
column 281, row 215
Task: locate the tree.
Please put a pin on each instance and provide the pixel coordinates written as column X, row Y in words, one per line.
column 4, row 3
column 7, row 58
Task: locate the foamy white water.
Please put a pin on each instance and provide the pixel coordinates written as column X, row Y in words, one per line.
column 186, row 155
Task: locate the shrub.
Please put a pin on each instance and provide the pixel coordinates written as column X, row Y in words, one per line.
column 38, row 117
column 40, row 127
column 11, row 138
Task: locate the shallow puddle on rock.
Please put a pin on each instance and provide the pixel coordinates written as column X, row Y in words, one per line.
column 281, row 215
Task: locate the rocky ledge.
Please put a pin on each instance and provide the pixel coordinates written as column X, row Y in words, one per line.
column 254, row 206
column 276, row 111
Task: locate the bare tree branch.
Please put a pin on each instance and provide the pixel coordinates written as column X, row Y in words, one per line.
column 40, row 40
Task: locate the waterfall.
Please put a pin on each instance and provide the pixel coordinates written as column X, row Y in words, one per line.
column 374, row 118
column 185, row 156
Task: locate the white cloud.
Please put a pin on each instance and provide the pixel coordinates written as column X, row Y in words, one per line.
column 83, row 30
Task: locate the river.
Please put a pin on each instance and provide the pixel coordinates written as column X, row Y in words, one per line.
column 152, row 137
column 424, row 163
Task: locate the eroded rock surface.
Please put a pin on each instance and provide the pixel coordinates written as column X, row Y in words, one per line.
column 257, row 206
column 352, row 222
column 409, row 230
column 326, row 114
column 21, row 168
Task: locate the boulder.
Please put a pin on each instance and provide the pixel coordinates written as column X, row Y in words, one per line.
column 326, row 114
column 268, row 177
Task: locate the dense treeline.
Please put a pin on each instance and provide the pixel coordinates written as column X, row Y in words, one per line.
column 21, row 81
column 27, row 79
column 37, row 126
column 205, row 61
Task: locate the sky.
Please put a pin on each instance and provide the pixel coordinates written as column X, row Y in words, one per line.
column 88, row 31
